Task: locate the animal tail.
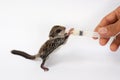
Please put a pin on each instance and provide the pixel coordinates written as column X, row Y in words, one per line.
column 23, row 54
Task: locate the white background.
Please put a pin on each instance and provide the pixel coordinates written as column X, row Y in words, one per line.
column 25, row 25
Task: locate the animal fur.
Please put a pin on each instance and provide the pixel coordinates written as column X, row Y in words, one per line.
column 57, row 37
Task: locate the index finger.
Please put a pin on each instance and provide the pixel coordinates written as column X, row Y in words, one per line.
column 109, row 19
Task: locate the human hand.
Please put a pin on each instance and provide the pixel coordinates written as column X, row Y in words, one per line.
column 108, row 27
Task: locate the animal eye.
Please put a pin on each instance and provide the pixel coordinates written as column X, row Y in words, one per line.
column 58, row 31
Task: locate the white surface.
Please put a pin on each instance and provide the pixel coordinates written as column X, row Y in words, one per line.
column 24, row 25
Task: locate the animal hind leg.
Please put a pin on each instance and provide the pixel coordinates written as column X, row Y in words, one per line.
column 42, row 65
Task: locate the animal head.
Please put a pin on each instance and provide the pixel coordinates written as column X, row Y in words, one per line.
column 57, row 31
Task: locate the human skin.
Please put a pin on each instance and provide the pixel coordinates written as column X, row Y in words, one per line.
column 108, row 27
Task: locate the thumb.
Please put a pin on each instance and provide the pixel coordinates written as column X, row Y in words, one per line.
column 110, row 30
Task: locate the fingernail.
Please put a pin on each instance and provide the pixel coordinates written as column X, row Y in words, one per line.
column 103, row 31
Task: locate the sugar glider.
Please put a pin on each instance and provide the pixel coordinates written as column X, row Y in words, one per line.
column 57, row 37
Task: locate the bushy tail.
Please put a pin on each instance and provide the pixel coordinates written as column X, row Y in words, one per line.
column 23, row 54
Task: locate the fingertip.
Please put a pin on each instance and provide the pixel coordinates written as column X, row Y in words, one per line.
column 95, row 38
column 113, row 47
column 103, row 41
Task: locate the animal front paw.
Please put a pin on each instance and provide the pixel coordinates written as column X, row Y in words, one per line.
column 70, row 31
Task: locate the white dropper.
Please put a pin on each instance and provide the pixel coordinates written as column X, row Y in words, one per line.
column 85, row 33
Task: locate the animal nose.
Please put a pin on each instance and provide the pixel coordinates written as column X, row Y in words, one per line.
column 64, row 27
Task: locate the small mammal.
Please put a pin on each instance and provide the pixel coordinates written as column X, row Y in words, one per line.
column 57, row 37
